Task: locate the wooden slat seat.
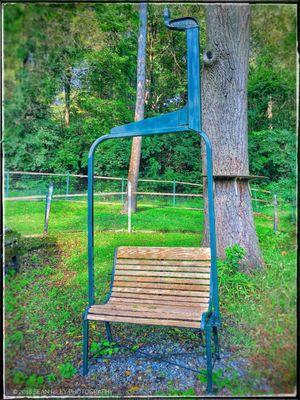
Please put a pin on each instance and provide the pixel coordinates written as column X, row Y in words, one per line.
column 158, row 286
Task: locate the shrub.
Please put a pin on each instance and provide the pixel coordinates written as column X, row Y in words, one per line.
column 67, row 370
column 233, row 282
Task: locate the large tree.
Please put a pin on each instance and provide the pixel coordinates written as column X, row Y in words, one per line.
column 224, row 94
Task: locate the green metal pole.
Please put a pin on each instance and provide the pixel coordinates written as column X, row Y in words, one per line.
column 108, row 332
column 174, row 193
column 85, row 349
column 208, row 359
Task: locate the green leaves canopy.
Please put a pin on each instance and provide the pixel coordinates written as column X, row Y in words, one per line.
column 97, row 44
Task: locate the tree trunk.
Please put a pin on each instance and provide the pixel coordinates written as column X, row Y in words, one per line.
column 67, row 89
column 136, row 146
column 270, row 112
column 224, row 94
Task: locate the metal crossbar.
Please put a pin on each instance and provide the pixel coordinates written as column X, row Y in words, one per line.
column 162, row 357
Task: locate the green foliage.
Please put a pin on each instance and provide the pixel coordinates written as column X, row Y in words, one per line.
column 135, row 347
column 234, row 256
column 90, row 53
column 274, row 88
column 275, row 158
column 33, row 381
column 218, row 380
column 276, row 153
column 19, row 378
column 67, row 370
column 16, row 339
column 234, row 284
column 172, row 391
column 51, row 377
column 104, row 348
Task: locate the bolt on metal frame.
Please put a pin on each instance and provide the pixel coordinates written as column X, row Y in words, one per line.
column 186, row 119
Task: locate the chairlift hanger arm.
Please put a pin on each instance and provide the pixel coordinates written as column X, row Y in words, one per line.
column 179, row 24
column 176, row 121
column 188, row 117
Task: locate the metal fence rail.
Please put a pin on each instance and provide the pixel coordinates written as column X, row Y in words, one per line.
column 26, row 185
column 34, row 186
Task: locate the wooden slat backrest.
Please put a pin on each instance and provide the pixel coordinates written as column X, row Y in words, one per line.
column 164, row 275
column 165, row 253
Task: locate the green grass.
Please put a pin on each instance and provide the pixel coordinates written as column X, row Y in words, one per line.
column 68, row 216
column 45, row 300
column 28, row 217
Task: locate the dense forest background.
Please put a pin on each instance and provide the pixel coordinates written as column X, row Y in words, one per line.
column 70, row 76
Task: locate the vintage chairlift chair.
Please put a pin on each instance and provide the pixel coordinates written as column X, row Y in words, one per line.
column 171, row 286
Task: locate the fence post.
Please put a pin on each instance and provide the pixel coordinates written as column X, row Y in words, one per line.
column 68, row 182
column 122, row 190
column 129, row 206
column 275, row 214
column 7, row 184
column 174, row 192
column 47, row 208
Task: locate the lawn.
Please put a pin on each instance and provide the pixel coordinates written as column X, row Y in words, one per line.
column 28, row 217
column 45, row 300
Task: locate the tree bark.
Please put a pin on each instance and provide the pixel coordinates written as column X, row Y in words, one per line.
column 224, row 94
column 136, row 146
column 270, row 112
column 67, row 89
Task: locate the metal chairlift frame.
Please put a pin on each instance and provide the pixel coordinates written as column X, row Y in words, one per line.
column 186, row 119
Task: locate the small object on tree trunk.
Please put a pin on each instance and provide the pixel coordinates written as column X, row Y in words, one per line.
column 235, row 187
column 209, row 57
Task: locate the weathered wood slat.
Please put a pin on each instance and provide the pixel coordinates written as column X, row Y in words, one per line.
column 165, row 253
column 161, row 291
column 156, row 297
column 171, row 263
column 162, row 268
column 178, row 304
column 147, row 314
column 167, row 312
column 159, row 279
column 145, row 321
column 175, row 287
column 158, row 273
